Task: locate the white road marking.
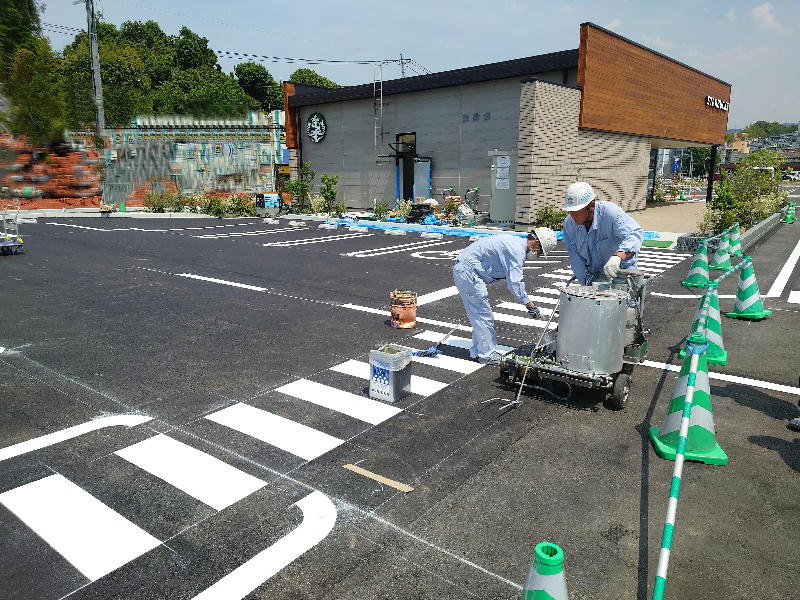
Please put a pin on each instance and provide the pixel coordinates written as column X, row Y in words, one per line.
column 783, row 277
column 319, row 518
column 687, row 296
column 200, row 475
column 253, row 288
column 386, row 313
column 442, row 361
column 69, row 433
column 317, row 240
column 438, row 295
column 358, row 407
column 548, row 291
column 542, row 300
column 217, row 236
column 83, row 227
column 767, row 385
column 794, row 297
column 298, row 439
column 95, row 539
column 516, row 306
column 419, row 385
column 454, row 340
column 504, row 318
column 394, row 249
column 557, row 276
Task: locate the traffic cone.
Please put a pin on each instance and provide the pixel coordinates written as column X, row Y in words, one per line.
column 748, row 300
column 790, row 214
column 546, row 576
column 701, row 441
column 698, row 272
column 736, row 242
column 722, row 259
column 716, row 354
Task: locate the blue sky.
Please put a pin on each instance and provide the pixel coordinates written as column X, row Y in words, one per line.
column 752, row 45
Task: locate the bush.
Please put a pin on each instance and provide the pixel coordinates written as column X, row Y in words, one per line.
column 156, row 202
column 328, row 190
column 318, row 204
column 403, row 208
column 174, row 202
column 240, row 205
column 339, row 209
column 214, row 206
column 550, row 217
column 381, row 209
column 194, row 202
column 450, row 207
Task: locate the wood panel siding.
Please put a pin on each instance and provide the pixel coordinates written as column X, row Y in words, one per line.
column 630, row 89
column 290, row 115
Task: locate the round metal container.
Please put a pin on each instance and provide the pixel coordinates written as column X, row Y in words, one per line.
column 591, row 329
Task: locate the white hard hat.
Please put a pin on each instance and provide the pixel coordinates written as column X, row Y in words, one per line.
column 578, row 195
column 546, row 237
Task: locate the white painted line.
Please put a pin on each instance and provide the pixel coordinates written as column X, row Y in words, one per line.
column 303, row 441
column 389, row 250
column 253, row 288
column 438, row 295
column 317, row 240
column 358, row 407
column 564, row 271
column 319, row 518
column 419, row 385
column 556, row 276
column 550, row 291
column 688, row 296
column 384, row 248
column 767, row 385
column 794, row 297
column 783, row 277
column 377, row 311
column 200, row 475
column 516, row 306
column 453, row 340
column 70, row 432
column 194, row 228
column 92, row 537
column 542, row 300
column 442, row 361
column 504, row 318
column 210, row 236
column 181, row 229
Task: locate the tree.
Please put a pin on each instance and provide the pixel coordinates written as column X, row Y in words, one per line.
column 155, row 47
column 761, row 129
column 257, row 83
column 311, row 77
column 203, row 92
column 301, row 187
column 192, row 51
column 37, row 107
column 19, row 28
column 699, row 159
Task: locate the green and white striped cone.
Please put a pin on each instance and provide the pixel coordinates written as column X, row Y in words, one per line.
column 698, row 272
column 748, row 300
column 722, row 259
column 789, row 216
column 698, row 326
column 701, row 442
column 735, row 241
column 716, row 353
column 546, row 576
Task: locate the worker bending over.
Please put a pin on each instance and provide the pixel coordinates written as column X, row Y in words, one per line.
column 488, row 260
column 600, row 238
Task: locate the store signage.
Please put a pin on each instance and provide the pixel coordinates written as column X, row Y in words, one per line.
column 717, row 103
column 316, row 127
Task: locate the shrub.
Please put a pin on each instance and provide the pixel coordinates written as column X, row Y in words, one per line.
column 381, row 209
column 328, row 190
column 214, row 206
column 174, row 202
column 339, row 209
column 155, row 202
column 240, row 205
column 194, row 202
column 403, row 208
column 550, row 217
column 451, row 206
column 318, row 204
column 299, row 188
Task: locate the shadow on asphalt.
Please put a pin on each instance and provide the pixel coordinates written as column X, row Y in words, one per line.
column 755, row 399
column 788, row 451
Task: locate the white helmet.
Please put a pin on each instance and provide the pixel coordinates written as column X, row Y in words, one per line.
column 578, row 195
column 546, row 237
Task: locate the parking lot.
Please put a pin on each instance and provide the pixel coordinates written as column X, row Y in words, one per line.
column 253, row 465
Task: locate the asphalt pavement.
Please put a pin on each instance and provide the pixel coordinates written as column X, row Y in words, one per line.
column 180, row 399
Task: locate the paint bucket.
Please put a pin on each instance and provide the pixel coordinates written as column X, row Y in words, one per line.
column 404, row 309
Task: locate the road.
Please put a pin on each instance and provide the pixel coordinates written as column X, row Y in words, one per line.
column 181, row 398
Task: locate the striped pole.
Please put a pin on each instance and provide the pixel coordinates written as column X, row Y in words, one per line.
column 696, row 344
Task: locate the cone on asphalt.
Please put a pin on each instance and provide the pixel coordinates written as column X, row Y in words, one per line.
column 748, row 300
column 698, row 272
column 546, row 576
column 735, row 241
column 790, row 214
column 716, row 354
column 722, row 259
column 701, row 441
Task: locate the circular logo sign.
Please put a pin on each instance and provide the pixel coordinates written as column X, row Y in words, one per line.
column 316, row 127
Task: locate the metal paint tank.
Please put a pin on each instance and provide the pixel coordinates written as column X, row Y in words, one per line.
column 591, row 329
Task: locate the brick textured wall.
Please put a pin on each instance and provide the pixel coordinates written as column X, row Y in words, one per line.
column 553, row 152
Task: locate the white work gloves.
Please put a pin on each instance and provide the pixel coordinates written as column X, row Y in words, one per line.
column 611, row 268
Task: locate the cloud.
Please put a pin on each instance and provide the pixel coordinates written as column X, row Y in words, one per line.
column 614, row 24
column 657, row 42
column 730, row 15
column 763, row 14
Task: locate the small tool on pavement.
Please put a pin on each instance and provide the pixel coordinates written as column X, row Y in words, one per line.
column 434, row 350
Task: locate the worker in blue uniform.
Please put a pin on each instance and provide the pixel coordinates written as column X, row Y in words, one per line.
column 599, row 236
column 491, row 259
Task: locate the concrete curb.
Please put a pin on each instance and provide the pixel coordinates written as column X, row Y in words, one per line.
column 749, row 238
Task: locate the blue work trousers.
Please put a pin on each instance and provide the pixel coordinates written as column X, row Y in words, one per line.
column 475, row 297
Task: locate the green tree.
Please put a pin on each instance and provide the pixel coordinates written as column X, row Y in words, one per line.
column 192, row 51
column 311, row 77
column 763, row 158
column 328, row 190
column 699, row 159
column 155, row 47
column 37, row 107
column 767, row 129
column 203, row 92
column 301, row 187
column 257, row 83
column 19, row 28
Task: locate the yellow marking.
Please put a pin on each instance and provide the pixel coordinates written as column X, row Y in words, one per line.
column 380, row 478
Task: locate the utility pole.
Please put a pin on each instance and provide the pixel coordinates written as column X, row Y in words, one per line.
column 96, row 81
column 402, row 66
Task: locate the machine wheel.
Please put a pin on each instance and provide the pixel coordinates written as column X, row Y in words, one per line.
column 4, row 250
column 619, row 395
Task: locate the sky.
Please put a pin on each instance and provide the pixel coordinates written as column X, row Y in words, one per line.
column 751, row 45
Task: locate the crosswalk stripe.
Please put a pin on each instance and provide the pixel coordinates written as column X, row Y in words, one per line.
column 95, row 539
column 293, row 437
column 517, row 320
column 437, row 295
column 542, row 299
column 556, row 276
column 516, row 306
column 419, row 385
column 370, row 411
column 459, row 365
column 794, row 297
column 200, row 475
column 551, row 291
column 453, row 340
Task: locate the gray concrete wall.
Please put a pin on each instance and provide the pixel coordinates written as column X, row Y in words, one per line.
column 446, row 131
column 553, row 152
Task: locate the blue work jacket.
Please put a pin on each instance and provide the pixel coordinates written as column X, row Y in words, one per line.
column 496, row 257
column 611, row 231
